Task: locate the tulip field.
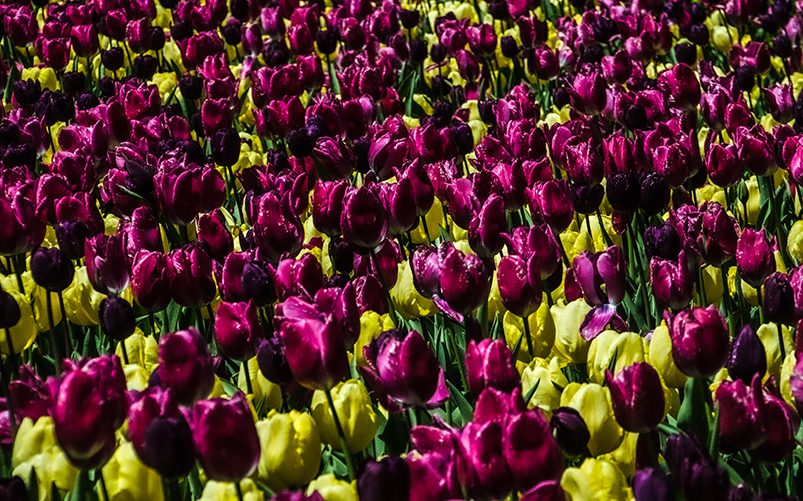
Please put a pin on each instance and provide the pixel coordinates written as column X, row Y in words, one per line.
column 380, row 250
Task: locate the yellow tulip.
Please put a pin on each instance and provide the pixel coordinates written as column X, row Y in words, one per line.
column 127, row 478
column 593, row 402
column 542, row 332
column 372, row 324
column 406, row 299
column 794, row 242
column 569, row 345
column 23, row 332
column 786, row 372
column 660, row 357
column 627, row 348
column 768, row 334
column 595, row 480
column 291, row 449
column 546, row 375
column 266, row 395
column 226, row 491
column 142, row 350
column 35, row 448
column 332, row 489
column 625, row 455
column 82, row 301
column 354, row 410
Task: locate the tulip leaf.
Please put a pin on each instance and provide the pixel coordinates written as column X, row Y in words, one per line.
column 692, row 416
column 529, row 395
column 33, row 485
column 466, row 411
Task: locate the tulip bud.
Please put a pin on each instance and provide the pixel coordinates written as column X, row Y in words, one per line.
column 226, row 147
column 150, row 280
column 485, row 230
column 520, row 292
column 747, row 356
column 385, row 480
column 364, row 219
column 551, row 200
column 718, row 235
column 106, row 264
column 160, row 433
column 465, row 281
column 237, row 329
column 272, row 361
column 754, row 257
column 661, row 241
column 654, row 194
column 277, row 230
column 51, row 269
column 782, row 423
column 327, row 205
column 185, row 366
column 490, row 364
column 190, row 272
column 699, row 341
column 672, row 284
column 354, row 411
column 9, row 310
column 637, row 396
column 291, row 449
column 214, row 235
column 623, row 191
column 652, row 484
column 225, row 437
column 741, row 420
column 117, row 317
column 779, row 299
column 570, row 431
column 258, row 285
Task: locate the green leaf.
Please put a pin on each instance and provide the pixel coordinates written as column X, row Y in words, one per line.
column 692, row 415
column 33, row 485
column 466, row 411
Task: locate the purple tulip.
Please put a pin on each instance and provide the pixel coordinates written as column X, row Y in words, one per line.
column 327, row 205
column 520, row 290
column 150, row 280
column 672, row 283
column 681, row 85
column 490, row 364
column 423, row 194
column 754, row 256
column 88, row 405
column 570, row 431
column 747, row 356
column 141, row 232
column 699, row 341
column 364, row 220
column 722, row 165
column 214, row 235
column 652, row 484
column 588, row 93
column 782, row 423
column 694, row 472
column 401, row 212
column 551, row 201
column 236, row 329
column 272, row 361
column 277, row 230
column 425, row 264
column 299, row 277
column 780, row 102
column 718, row 235
column 29, row 394
column 385, row 480
column 185, row 190
column 754, row 150
column 185, row 366
column 465, row 282
column 225, row 437
column 601, row 278
column 485, row 230
column 741, row 419
column 190, row 272
column 117, row 318
column 402, row 371
column 637, row 396
column 160, row 433
column 51, row 269
column 106, row 264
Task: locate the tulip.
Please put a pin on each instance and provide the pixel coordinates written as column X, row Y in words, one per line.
column 485, row 230
column 681, row 85
column 531, row 454
column 672, row 284
column 741, row 411
column 51, row 269
column 652, row 484
column 160, row 433
column 225, row 437
column 779, row 299
column 519, row 289
column 106, row 264
column 654, row 193
column 236, row 329
column 699, row 341
column 402, row 369
column 595, row 479
column 490, row 364
column 190, row 273
column 141, row 232
column 117, row 318
column 277, row 230
column 592, row 271
column 662, row 242
column 185, row 366
column 781, row 422
column 718, row 235
column 570, row 431
column 327, row 205
column 272, row 361
column 593, row 402
column 588, row 94
column 694, row 472
column 299, row 277
column 722, row 165
column 364, row 221
column 184, row 191
column 754, row 257
column 88, row 405
column 291, row 449
column 465, row 282
column 214, row 235
column 150, row 280
column 637, row 396
column 226, row 147
column 387, row 479
column 357, row 419
column 747, row 356
column 258, row 284
column 551, row 201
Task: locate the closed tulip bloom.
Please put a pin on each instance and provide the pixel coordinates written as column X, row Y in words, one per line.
column 236, row 329
column 24, row 228
column 531, row 453
column 551, row 200
column 272, row 361
column 403, row 369
column 652, row 484
column 520, row 291
column 214, row 235
column 588, row 93
column 465, row 281
column 354, row 410
column 150, row 280
column 671, row 282
column 490, row 364
column 754, row 149
column 385, row 480
column 693, row 470
column 327, row 205
column 741, row 414
column 88, row 405
column 225, row 437
column 722, row 165
column 718, row 235
column 781, row 422
column 754, row 256
column 190, row 272
column 699, row 341
column 681, row 84
column 117, row 318
column 779, row 299
column 400, row 209
column 364, row 221
column 226, row 147
column 277, row 230
column 425, row 265
column 780, row 102
column 299, row 277
column 747, row 356
column 185, row 366
column 570, row 431
column 10, row 312
column 258, row 284
column 637, row 396
column 106, row 264
column 160, row 433
column 485, row 230
column 51, row 269
column 291, row 449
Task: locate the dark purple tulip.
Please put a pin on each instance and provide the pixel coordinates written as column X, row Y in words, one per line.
column 531, row 453
column 117, row 317
column 71, row 236
column 277, row 230
column 299, row 277
column 672, row 283
column 403, row 371
column 401, row 211
column 184, row 191
column 637, row 396
column 9, row 310
column 588, row 93
column 226, row 147
column 160, row 433
column 150, row 280
column 370, row 294
column 258, row 284
column 594, row 271
column 681, row 85
column 661, row 241
column 486, row 228
column 693, row 471
column 779, row 299
column 754, row 257
column 741, row 419
column 489, row 364
column 552, row 202
column 652, row 484
column 236, row 329
column 88, row 405
column 333, row 158
column 51, row 269
column 225, row 437
column 623, row 190
column 754, row 150
column 423, row 193
column 29, row 394
column 782, row 423
column 722, row 165
column 214, row 235
column 538, row 246
column 106, row 264
column 190, row 272
column 272, row 361
column 780, row 102
column 718, row 235
column 364, row 221
column 570, row 431
column 520, row 290
column 141, row 232
column 385, row 480
column 327, row 205
column 654, row 195
column 747, row 356
column 425, row 264
column 465, row 281
column 185, row 366
column 618, row 67
column 700, row 341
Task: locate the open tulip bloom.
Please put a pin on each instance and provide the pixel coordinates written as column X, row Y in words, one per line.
column 295, row 250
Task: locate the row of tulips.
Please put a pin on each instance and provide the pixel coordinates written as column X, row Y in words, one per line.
column 330, row 250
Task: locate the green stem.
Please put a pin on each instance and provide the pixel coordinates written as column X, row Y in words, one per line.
column 526, row 322
column 340, row 433
column 248, row 386
column 381, row 278
column 54, row 337
column 239, row 490
column 103, row 488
